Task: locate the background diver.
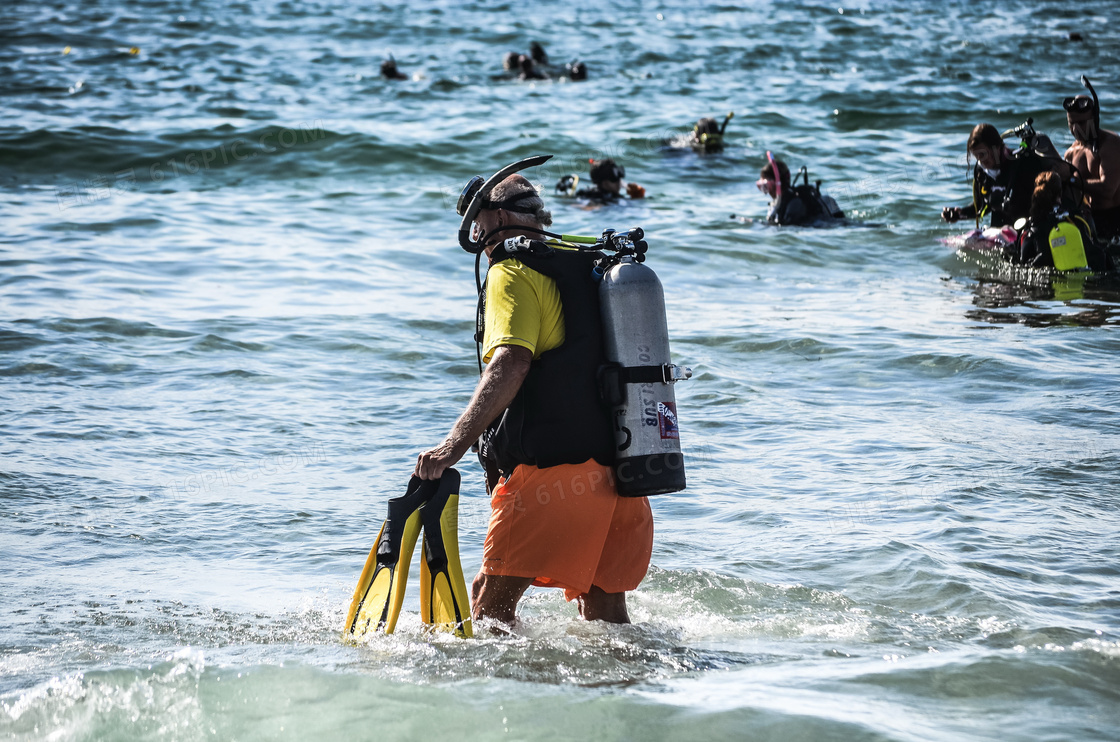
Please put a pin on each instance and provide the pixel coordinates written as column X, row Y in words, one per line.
column 795, row 204
column 707, row 134
column 606, row 178
column 536, row 66
column 389, row 70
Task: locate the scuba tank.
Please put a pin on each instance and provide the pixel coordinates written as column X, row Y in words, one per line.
column 1067, row 248
column 638, row 380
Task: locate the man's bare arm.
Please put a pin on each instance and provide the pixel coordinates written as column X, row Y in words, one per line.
column 1106, row 187
column 495, row 391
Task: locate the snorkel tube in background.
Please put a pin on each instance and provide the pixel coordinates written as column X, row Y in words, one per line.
column 726, row 120
column 477, row 193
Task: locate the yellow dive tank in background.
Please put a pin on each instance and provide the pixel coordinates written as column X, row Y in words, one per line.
column 1067, row 248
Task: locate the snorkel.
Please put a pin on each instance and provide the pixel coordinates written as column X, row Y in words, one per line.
column 777, row 177
column 1096, row 113
column 476, row 196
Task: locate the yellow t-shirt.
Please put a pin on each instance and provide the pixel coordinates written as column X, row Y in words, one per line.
column 522, row 308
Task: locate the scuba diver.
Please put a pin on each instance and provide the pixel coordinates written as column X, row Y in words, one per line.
column 520, row 67
column 1002, row 181
column 1095, row 154
column 565, row 325
column 547, row 440
column 528, row 69
column 536, row 66
column 606, row 177
column 389, row 70
column 1051, row 237
column 574, row 70
column 795, row 204
column 707, row 134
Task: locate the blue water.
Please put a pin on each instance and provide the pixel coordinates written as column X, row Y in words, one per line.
column 232, row 312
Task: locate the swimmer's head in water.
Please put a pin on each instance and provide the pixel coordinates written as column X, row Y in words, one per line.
column 707, row 133
column 510, row 61
column 577, row 70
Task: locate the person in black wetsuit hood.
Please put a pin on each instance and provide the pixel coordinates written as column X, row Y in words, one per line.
column 794, row 204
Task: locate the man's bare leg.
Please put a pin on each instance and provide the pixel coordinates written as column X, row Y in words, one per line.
column 596, row 605
column 496, row 596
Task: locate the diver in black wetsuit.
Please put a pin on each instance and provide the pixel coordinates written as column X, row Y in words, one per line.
column 795, row 204
column 707, row 134
column 1002, row 181
column 606, row 177
column 390, row 72
column 536, row 66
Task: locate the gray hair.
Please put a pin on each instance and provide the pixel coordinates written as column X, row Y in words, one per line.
column 531, row 201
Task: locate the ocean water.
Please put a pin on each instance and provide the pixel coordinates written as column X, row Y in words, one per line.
column 232, row 311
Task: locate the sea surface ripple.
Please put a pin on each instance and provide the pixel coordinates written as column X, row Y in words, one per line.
column 232, row 312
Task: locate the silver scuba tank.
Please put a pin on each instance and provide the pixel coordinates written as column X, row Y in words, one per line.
column 639, row 389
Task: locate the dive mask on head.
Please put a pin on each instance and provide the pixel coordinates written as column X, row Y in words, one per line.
column 476, row 196
column 1078, row 104
column 710, row 139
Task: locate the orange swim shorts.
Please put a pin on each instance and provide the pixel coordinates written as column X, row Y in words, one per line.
column 566, row 526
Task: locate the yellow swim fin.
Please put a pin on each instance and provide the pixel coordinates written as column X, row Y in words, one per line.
column 380, row 592
column 444, row 604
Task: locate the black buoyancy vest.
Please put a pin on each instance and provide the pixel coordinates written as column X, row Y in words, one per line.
column 558, row 416
column 815, row 206
column 597, row 194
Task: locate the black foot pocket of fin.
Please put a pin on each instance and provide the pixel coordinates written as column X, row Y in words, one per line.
column 443, row 591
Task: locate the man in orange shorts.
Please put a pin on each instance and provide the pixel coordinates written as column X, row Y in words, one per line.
column 557, row 519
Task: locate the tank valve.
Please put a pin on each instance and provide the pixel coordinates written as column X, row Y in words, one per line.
column 674, row 372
